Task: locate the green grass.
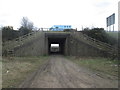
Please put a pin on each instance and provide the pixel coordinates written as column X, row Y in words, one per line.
column 16, row 69
column 102, row 65
column 113, row 34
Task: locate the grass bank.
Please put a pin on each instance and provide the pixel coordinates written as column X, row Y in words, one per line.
column 98, row 64
column 16, row 69
column 113, row 34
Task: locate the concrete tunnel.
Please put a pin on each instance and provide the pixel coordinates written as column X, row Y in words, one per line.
column 56, row 38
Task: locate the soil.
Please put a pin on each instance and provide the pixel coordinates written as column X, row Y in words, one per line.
column 59, row 72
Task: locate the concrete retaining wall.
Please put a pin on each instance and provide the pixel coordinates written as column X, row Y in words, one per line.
column 35, row 47
column 72, row 46
column 78, row 48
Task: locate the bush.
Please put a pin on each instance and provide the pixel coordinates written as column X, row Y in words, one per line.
column 8, row 33
column 100, row 34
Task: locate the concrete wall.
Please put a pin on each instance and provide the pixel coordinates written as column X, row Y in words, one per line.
column 76, row 47
column 72, row 46
column 35, row 47
column 46, row 45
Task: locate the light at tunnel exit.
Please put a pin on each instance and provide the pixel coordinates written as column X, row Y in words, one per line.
column 54, row 45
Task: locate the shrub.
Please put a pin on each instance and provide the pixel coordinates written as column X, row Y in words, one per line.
column 100, row 34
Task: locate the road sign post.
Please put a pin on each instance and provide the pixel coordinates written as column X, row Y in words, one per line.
column 110, row 21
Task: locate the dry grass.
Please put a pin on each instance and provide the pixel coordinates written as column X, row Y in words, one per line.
column 98, row 64
column 16, row 69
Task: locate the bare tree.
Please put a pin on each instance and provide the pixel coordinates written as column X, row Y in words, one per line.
column 26, row 23
column 30, row 25
column 26, row 26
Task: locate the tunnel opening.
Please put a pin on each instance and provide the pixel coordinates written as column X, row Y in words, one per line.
column 56, row 46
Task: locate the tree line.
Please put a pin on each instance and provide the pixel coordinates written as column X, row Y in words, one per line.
column 8, row 33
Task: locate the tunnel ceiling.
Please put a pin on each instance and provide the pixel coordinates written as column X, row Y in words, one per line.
column 56, row 40
column 56, row 37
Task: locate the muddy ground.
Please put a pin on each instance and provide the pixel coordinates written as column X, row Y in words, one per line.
column 59, row 72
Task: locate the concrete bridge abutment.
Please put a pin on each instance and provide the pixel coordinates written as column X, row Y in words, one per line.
column 68, row 45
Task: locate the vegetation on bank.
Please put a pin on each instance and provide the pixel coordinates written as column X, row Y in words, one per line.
column 16, row 69
column 98, row 64
column 8, row 33
column 113, row 34
column 101, row 35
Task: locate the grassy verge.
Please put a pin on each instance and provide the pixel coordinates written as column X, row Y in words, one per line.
column 113, row 34
column 16, row 69
column 101, row 65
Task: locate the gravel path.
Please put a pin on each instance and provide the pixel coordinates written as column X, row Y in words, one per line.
column 62, row 73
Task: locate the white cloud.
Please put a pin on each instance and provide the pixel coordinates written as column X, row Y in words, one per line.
column 45, row 13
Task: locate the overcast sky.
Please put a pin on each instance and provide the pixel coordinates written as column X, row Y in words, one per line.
column 46, row 13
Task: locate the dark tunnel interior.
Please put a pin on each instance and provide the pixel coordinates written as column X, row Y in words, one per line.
column 60, row 41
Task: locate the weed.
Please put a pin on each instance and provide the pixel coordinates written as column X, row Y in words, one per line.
column 16, row 70
column 104, row 65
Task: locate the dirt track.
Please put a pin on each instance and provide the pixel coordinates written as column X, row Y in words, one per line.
column 62, row 73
